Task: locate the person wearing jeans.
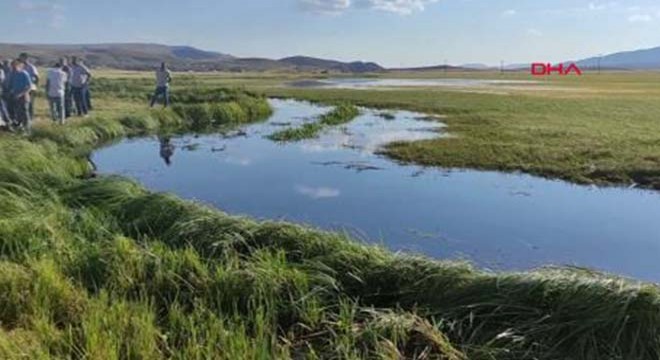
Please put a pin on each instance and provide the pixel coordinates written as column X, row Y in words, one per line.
column 19, row 88
column 55, row 89
column 68, row 97
column 34, row 77
column 78, row 94
column 80, row 77
column 163, row 79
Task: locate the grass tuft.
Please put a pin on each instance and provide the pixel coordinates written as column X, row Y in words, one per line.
column 341, row 114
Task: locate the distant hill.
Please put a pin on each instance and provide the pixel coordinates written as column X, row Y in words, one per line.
column 310, row 63
column 191, row 53
column 432, row 68
column 644, row 59
column 477, row 66
column 632, row 60
column 137, row 56
column 121, row 56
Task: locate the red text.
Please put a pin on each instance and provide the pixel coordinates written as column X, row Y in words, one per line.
column 541, row 69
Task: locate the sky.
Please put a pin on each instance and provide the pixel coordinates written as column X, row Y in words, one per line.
column 394, row 33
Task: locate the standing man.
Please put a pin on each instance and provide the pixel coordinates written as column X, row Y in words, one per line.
column 6, row 93
column 55, row 89
column 80, row 76
column 19, row 88
column 68, row 98
column 163, row 79
column 34, row 77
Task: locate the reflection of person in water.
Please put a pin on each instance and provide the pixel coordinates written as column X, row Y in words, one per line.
column 166, row 150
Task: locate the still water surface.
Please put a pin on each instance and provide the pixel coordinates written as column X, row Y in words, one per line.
column 499, row 221
column 383, row 83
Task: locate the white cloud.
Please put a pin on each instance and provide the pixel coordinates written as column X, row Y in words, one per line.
column 637, row 18
column 403, row 7
column 318, row 192
column 599, row 6
column 325, row 6
column 396, row 6
column 509, row 12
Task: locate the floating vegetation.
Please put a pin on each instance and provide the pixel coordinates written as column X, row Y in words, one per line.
column 341, row 114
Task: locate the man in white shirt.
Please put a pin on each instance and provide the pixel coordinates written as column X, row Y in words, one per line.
column 163, row 79
column 55, row 88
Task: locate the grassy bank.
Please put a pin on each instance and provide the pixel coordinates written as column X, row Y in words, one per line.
column 103, row 269
column 341, row 114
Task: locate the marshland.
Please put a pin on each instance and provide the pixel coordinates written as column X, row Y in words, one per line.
column 97, row 265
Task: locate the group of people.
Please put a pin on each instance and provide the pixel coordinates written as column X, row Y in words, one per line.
column 66, row 87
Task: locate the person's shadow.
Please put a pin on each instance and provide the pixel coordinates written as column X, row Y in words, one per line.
column 166, row 149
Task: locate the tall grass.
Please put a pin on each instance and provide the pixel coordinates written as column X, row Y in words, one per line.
column 550, row 313
column 103, row 269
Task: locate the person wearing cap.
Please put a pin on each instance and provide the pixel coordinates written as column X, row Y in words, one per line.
column 55, row 89
column 80, row 76
column 163, row 79
column 34, row 77
column 20, row 87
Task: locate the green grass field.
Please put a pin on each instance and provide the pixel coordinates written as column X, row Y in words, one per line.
column 101, row 268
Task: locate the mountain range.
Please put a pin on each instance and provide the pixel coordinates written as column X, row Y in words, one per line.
column 644, row 59
column 135, row 56
column 142, row 56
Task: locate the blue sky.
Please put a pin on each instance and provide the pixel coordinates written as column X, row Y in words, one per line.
column 391, row 32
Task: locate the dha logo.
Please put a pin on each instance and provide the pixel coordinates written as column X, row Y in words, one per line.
column 541, row 69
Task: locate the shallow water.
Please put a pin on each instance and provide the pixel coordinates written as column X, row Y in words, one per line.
column 366, row 83
column 499, row 221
